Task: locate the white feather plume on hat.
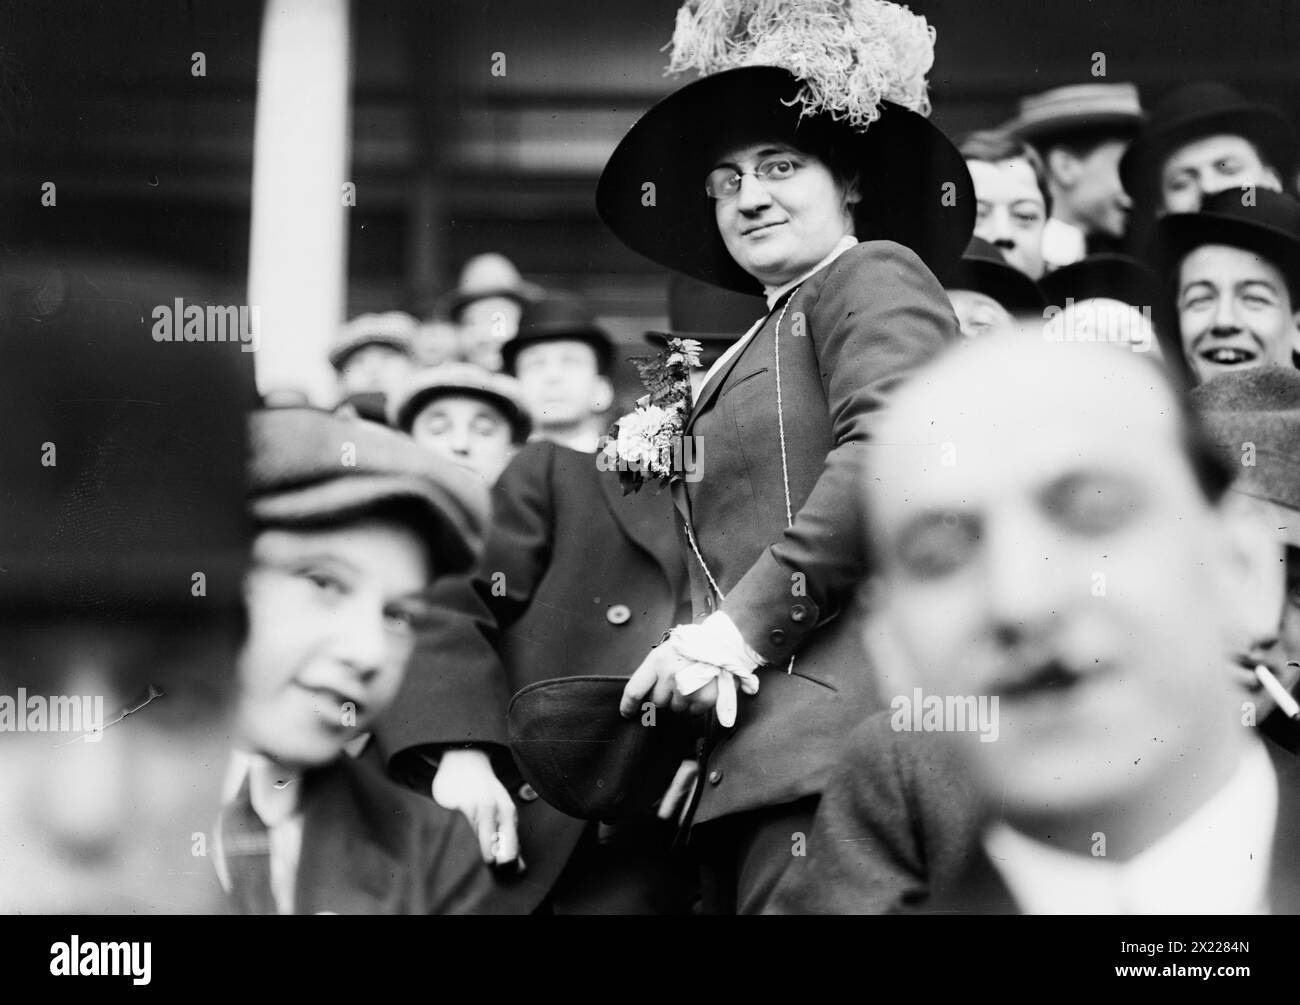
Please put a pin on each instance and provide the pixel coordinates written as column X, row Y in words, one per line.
column 849, row 54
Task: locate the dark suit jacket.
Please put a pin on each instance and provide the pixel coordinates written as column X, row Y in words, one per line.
column 371, row 847
column 576, row 578
column 899, row 830
column 896, row 819
column 849, row 333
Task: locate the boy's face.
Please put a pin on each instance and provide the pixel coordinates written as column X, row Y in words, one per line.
column 561, row 382
column 329, row 635
column 468, row 430
column 1010, row 211
column 1234, row 311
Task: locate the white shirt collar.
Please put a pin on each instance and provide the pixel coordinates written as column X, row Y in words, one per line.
column 1216, row 861
column 1063, row 243
column 775, row 293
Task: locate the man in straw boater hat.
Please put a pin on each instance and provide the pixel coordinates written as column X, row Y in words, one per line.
column 1081, row 131
column 1233, row 272
column 829, row 192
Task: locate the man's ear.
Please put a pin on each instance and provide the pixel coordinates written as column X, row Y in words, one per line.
column 602, row 396
column 1063, row 167
column 1295, row 336
column 1256, row 580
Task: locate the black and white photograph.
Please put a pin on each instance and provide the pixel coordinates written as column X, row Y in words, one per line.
column 660, row 458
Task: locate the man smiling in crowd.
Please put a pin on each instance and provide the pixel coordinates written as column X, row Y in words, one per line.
column 1233, row 268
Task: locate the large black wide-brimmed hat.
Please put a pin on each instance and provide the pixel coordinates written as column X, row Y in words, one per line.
column 984, row 269
column 915, row 187
column 1265, row 222
column 1196, row 111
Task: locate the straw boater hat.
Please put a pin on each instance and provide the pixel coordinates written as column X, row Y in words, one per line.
column 499, row 390
column 847, row 77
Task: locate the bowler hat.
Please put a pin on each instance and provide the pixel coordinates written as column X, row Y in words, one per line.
column 1076, row 108
column 916, row 189
column 394, row 329
column 499, row 390
column 1261, row 221
column 1194, row 112
column 1108, row 275
column 984, row 269
column 553, row 317
column 572, row 746
column 1258, row 410
column 710, row 315
column 310, row 469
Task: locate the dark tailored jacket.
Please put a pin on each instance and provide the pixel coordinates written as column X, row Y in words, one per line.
column 576, row 578
column 849, row 333
column 371, row 847
column 898, row 830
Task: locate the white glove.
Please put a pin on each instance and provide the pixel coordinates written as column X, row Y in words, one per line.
column 715, row 649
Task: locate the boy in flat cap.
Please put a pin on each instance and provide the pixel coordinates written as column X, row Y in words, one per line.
column 352, row 522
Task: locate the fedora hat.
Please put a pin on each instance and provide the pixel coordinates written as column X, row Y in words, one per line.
column 554, row 316
column 1198, row 110
column 713, row 317
column 1076, row 108
column 777, row 71
column 984, row 269
column 1267, row 224
column 572, row 746
column 1260, row 406
column 499, row 390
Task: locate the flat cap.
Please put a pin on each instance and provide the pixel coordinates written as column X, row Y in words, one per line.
column 1253, row 417
column 310, row 468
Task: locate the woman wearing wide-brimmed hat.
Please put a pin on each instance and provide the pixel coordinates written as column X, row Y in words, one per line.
column 827, row 190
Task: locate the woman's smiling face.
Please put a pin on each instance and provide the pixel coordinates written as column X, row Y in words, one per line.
column 778, row 229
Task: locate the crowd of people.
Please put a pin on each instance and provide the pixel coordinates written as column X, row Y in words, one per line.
column 972, row 583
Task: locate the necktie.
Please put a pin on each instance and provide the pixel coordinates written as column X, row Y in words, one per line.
column 246, row 845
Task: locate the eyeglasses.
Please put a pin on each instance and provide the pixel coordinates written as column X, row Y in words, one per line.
column 724, row 182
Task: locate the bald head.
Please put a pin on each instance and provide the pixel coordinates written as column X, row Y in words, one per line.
column 1042, row 537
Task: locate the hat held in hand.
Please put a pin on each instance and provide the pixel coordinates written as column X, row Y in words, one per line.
column 583, row 757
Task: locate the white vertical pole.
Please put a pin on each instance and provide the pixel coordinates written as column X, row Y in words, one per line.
column 297, row 270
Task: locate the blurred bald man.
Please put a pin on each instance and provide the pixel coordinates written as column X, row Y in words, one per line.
column 1061, row 583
